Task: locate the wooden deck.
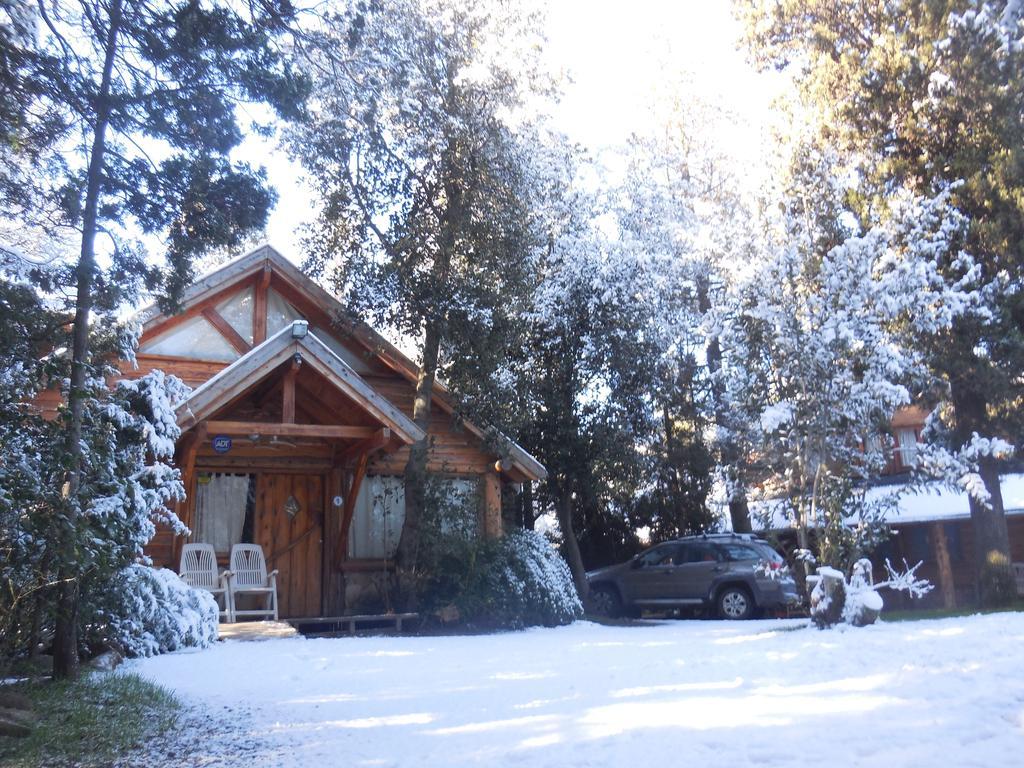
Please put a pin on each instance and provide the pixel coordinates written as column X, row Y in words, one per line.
column 338, row 624
column 257, row 630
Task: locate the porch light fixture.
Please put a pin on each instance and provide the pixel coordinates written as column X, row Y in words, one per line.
column 291, row 507
column 299, row 329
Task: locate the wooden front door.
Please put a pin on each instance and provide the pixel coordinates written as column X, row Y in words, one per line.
column 289, row 526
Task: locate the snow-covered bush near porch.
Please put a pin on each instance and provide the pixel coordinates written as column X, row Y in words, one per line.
column 519, row 581
column 148, row 611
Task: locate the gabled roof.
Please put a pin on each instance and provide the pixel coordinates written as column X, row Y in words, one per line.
column 266, row 257
column 217, row 392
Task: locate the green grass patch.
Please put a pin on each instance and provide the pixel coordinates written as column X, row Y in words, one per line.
column 89, row 722
column 947, row 613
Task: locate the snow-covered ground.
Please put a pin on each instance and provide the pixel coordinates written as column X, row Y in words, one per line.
column 684, row 693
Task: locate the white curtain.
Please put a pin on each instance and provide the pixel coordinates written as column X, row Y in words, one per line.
column 378, row 518
column 908, row 446
column 220, row 511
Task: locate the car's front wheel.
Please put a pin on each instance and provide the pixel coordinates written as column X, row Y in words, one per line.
column 605, row 601
column 735, row 603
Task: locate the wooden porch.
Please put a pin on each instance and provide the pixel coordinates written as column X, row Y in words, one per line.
column 302, row 426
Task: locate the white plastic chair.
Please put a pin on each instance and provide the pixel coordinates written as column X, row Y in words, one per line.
column 198, row 569
column 249, row 577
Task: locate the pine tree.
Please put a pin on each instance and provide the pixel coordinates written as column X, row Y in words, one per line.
column 126, row 119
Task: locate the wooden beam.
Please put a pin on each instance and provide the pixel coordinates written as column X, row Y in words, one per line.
column 188, row 447
column 340, row 552
column 374, row 443
column 493, row 528
column 288, row 391
column 224, row 328
column 259, row 306
column 264, row 428
column 282, row 464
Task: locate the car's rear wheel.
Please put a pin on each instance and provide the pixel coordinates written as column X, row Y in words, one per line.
column 735, row 603
column 605, row 601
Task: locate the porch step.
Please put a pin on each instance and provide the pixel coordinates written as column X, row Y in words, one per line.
column 257, row 630
column 330, row 624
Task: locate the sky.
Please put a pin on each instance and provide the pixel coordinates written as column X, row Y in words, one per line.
column 619, row 57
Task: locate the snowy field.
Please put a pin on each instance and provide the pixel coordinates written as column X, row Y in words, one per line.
column 771, row 693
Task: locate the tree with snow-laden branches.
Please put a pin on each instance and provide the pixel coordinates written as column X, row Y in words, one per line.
column 128, row 485
column 684, row 208
column 823, row 342
column 929, row 97
column 119, row 118
column 415, row 146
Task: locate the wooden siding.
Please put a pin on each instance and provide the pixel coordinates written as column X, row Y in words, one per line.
column 920, row 542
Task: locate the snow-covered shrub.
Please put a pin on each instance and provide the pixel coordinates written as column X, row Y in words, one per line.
column 516, row 581
column 147, row 611
column 519, row 581
column 836, row 599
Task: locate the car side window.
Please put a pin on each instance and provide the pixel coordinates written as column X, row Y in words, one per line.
column 698, row 552
column 737, row 551
column 662, row 555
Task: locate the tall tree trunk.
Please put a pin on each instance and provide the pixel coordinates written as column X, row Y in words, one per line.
column 992, row 542
column 572, row 546
column 529, row 521
column 739, row 511
column 994, row 573
column 416, row 469
column 65, row 641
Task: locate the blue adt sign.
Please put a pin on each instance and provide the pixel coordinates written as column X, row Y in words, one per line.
column 222, row 443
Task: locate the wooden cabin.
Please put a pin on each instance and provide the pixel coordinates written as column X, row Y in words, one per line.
column 297, row 431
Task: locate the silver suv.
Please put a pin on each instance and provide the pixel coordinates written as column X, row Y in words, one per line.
column 736, row 575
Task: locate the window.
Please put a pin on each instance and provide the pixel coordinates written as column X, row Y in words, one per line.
column 378, row 518
column 195, row 338
column 907, row 439
column 739, row 551
column 663, row 554
column 698, row 552
column 237, row 310
column 223, row 510
column 453, row 505
column 279, row 312
column 954, row 542
column 917, row 543
column 353, row 360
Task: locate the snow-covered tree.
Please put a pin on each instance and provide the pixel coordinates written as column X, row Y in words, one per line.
column 120, row 118
column 928, row 97
column 128, row 478
column 586, row 360
column 683, row 204
column 415, row 149
column 825, row 341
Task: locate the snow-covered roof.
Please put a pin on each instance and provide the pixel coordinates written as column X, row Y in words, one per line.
column 932, row 503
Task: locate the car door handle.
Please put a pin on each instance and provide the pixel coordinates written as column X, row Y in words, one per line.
column 718, row 568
